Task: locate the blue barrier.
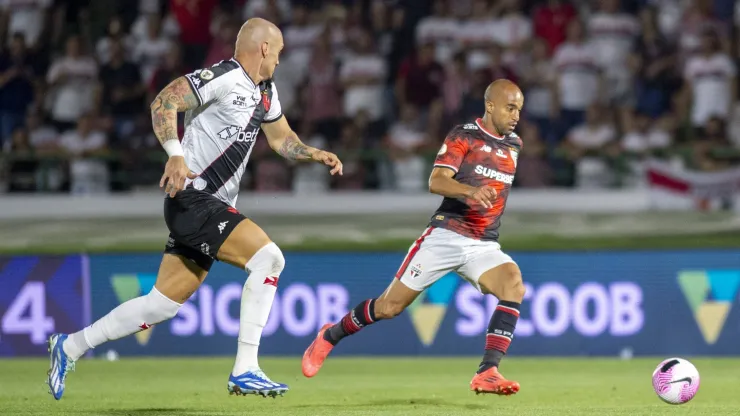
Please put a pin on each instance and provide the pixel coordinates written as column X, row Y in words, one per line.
column 652, row 302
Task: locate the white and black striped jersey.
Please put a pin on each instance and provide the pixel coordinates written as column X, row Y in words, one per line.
column 220, row 133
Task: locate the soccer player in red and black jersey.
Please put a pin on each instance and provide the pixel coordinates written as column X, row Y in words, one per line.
column 473, row 171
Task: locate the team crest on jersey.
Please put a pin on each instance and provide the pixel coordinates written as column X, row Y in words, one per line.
column 443, row 149
column 514, row 156
column 206, row 74
column 266, row 101
column 415, row 271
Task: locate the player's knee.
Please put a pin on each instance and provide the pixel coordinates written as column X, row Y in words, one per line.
column 159, row 307
column 269, row 259
column 513, row 284
column 387, row 309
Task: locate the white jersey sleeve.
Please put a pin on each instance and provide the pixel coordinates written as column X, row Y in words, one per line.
column 210, row 84
column 275, row 110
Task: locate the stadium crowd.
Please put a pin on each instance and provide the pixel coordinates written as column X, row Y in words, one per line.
column 608, row 84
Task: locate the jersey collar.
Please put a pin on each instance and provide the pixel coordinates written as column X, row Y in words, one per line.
column 479, row 123
column 244, row 72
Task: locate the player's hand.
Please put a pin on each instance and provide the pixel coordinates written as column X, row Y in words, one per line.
column 484, row 195
column 329, row 159
column 175, row 173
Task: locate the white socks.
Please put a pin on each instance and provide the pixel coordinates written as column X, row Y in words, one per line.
column 259, row 291
column 128, row 318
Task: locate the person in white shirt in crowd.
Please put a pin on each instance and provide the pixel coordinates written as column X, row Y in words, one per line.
column 537, row 80
column 83, row 144
column 441, row 29
column 115, row 33
column 613, row 35
column 578, row 78
column 711, row 82
column 150, row 50
column 72, row 79
column 642, row 139
column 363, row 76
column 585, row 144
column 25, row 16
column 406, row 140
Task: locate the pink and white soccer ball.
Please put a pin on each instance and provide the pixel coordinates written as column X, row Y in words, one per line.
column 676, row 381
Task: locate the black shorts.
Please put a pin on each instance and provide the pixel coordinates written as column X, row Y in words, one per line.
column 199, row 223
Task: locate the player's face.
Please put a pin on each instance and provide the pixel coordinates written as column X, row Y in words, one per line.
column 272, row 59
column 505, row 111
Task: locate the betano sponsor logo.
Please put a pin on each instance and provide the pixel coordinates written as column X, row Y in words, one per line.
column 710, row 295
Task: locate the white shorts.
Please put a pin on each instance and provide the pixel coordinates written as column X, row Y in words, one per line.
column 439, row 251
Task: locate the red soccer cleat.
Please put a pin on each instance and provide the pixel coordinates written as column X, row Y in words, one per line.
column 316, row 353
column 491, row 381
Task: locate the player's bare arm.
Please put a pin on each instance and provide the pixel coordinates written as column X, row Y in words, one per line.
column 285, row 142
column 176, row 97
column 442, row 182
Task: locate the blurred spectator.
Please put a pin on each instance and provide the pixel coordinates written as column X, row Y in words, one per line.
column 643, row 137
column 22, row 167
column 406, row 142
column 473, row 102
column 270, row 173
column 477, row 30
column 533, row 169
column 537, row 82
column 223, row 43
column 440, row 29
column 278, row 10
column 44, row 138
column 363, row 76
column 313, row 178
column 420, row 82
column 151, row 49
column 72, row 80
column 653, row 63
column 513, row 29
column 194, row 18
column 455, row 87
column 350, row 147
column 16, row 86
column 698, row 19
column 322, row 97
column 121, row 91
column 585, row 146
column 551, row 21
column 84, row 145
column 27, row 17
column 300, row 36
column 115, row 33
column 711, row 81
column 578, row 78
column 612, row 35
column 170, row 29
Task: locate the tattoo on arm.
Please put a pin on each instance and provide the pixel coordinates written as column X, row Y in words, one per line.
column 175, row 97
column 293, row 149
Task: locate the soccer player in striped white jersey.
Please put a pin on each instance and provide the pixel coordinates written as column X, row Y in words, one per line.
column 225, row 107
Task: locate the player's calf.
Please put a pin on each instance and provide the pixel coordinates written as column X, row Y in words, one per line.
column 505, row 282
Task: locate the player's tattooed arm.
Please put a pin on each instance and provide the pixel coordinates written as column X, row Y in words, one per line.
column 285, row 142
column 294, row 149
column 176, row 97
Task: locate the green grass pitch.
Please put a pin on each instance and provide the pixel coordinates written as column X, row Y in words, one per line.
column 362, row 386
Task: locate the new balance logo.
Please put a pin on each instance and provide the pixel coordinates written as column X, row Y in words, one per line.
column 145, row 326
column 486, row 148
column 272, row 280
column 500, row 153
column 221, row 227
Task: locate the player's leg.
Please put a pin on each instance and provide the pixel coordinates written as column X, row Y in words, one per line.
column 249, row 248
column 177, row 280
column 428, row 260
column 495, row 273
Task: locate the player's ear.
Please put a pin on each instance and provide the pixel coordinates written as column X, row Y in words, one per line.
column 265, row 49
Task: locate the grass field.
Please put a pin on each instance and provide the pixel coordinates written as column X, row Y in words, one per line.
column 354, row 386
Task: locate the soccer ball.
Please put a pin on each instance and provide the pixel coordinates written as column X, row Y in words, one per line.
column 676, row 381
